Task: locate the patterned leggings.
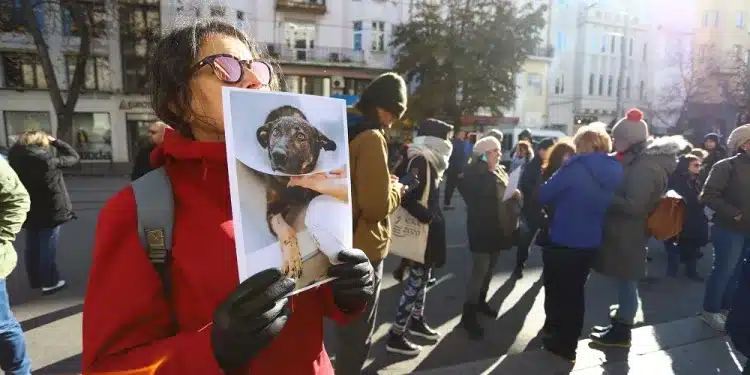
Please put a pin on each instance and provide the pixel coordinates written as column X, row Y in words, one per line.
column 411, row 303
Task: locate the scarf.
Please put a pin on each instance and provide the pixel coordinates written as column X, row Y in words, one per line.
column 437, row 152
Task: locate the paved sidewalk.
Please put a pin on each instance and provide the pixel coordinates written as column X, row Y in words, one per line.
column 684, row 347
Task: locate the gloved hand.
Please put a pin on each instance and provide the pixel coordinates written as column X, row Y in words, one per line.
column 250, row 318
column 354, row 284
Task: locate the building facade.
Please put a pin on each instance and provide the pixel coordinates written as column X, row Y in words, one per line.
column 322, row 47
column 602, row 63
column 531, row 104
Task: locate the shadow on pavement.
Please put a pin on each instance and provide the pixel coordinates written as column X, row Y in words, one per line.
column 500, row 334
column 71, row 365
column 51, row 317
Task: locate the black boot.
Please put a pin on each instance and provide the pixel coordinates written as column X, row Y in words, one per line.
column 619, row 335
column 470, row 323
column 483, row 307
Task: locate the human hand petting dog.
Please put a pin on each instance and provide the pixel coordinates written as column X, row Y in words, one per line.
column 354, row 282
column 327, row 183
column 250, row 318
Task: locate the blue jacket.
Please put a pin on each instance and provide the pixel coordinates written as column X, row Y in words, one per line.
column 579, row 195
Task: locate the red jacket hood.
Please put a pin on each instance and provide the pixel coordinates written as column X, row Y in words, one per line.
column 176, row 147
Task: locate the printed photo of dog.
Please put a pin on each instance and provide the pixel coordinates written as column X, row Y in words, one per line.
column 293, row 147
column 288, row 167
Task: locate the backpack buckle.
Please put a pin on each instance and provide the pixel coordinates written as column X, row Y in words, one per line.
column 157, row 248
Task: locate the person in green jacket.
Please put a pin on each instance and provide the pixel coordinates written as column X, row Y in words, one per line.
column 14, row 204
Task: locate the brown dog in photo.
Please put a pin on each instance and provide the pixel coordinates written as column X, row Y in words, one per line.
column 293, row 147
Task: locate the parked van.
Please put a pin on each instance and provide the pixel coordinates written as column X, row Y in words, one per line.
column 510, row 139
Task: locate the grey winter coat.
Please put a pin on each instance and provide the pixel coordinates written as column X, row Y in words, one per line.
column 727, row 192
column 646, row 173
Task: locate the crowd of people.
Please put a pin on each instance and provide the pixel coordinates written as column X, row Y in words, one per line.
column 585, row 201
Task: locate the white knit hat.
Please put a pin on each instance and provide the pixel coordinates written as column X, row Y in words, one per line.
column 738, row 137
column 485, row 144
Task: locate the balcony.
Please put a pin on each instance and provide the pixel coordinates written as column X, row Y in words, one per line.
column 544, row 52
column 317, row 55
column 305, row 6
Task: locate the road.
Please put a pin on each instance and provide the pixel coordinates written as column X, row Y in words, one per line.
column 53, row 323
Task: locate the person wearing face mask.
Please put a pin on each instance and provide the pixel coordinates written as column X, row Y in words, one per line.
column 491, row 224
column 685, row 248
column 207, row 324
column 376, row 195
column 726, row 193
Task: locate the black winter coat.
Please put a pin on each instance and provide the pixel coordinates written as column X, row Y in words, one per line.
column 491, row 224
column 39, row 171
column 695, row 226
column 435, row 254
column 531, row 179
column 142, row 164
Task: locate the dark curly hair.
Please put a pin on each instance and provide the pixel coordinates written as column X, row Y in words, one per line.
column 170, row 68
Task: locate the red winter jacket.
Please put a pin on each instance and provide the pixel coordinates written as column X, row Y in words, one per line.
column 126, row 318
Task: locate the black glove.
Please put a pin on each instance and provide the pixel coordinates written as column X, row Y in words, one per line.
column 250, row 318
column 354, row 284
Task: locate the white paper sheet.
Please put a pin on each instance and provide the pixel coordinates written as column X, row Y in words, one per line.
column 513, row 180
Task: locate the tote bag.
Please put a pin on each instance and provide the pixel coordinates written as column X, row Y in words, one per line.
column 409, row 235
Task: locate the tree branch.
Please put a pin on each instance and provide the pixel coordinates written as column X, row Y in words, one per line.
column 43, row 50
column 84, row 51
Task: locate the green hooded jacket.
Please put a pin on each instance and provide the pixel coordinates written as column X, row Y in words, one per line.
column 14, row 204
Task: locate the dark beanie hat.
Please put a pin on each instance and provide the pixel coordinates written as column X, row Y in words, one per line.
column 387, row 91
column 546, row 143
column 435, row 128
column 712, row 136
column 526, row 133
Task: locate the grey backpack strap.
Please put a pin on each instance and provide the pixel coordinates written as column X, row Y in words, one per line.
column 154, row 203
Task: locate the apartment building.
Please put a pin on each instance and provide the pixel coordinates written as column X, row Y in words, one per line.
column 531, row 107
column 721, row 45
column 323, row 48
column 602, row 63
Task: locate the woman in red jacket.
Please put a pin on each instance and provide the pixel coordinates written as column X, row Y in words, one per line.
column 221, row 327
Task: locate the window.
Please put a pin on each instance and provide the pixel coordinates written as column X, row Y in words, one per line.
column 17, row 122
column 139, row 28
column 217, row 11
column 601, row 85
column 97, row 73
column 562, row 42
column 534, row 82
column 740, row 21
column 747, row 56
column 378, row 36
column 612, row 42
column 627, row 88
column 645, row 51
column 630, row 47
column 23, row 70
column 640, row 90
column 355, row 86
column 96, row 14
column 240, row 19
column 357, row 27
column 604, row 44
column 92, row 136
column 609, row 86
column 737, row 51
column 11, row 16
column 300, row 39
column 591, row 84
column 310, row 85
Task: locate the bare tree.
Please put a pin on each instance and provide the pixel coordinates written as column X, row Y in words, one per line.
column 689, row 78
column 85, row 23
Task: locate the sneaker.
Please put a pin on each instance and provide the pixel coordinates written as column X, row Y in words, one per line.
column 401, row 345
column 717, row 321
column 418, row 327
column 54, row 289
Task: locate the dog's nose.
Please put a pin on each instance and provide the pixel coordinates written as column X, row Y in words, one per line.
column 279, row 157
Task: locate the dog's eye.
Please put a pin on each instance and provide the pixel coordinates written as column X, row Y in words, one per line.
column 300, row 137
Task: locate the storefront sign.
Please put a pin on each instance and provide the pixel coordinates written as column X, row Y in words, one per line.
column 135, row 104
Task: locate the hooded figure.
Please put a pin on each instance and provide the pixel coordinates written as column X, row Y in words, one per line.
column 718, row 152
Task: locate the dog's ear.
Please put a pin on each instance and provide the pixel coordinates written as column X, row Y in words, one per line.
column 263, row 135
column 325, row 143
